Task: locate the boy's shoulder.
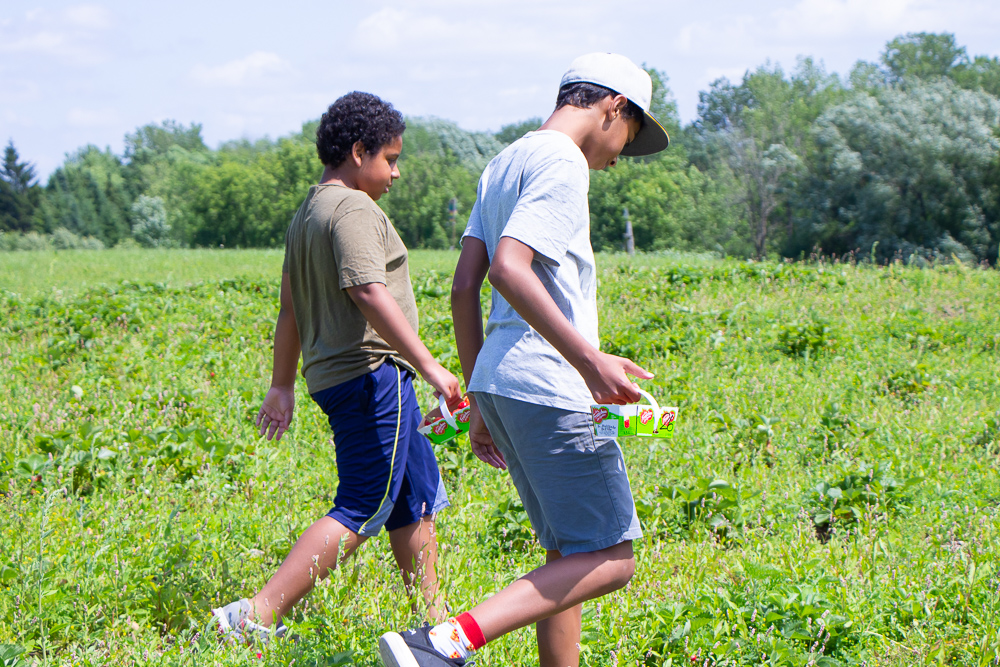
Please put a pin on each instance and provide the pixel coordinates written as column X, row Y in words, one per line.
column 340, row 196
column 542, row 146
column 330, row 202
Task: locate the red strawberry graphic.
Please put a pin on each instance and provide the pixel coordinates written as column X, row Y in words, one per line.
column 667, row 418
column 440, row 427
column 626, row 422
column 464, row 416
column 645, row 416
column 600, row 414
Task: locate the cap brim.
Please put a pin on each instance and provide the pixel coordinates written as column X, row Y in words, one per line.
column 652, row 138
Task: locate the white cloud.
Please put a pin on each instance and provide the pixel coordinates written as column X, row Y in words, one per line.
column 839, row 18
column 19, row 91
column 467, row 39
column 90, row 118
column 734, row 74
column 93, row 17
column 251, row 69
column 73, row 36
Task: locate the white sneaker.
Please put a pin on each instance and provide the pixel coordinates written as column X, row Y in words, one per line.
column 235, row 624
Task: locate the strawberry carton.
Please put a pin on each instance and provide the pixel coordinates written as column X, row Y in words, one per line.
column 441, row 425
column 649, row 421
column 612, row 421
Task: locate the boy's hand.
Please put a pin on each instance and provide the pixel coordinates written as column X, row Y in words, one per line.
column 445, row 383
column 481, row 440
column 606, row 378
column 275, row 414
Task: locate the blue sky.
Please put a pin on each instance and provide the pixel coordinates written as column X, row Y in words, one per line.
column 76, row 73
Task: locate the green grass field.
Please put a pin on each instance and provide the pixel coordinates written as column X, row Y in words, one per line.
column 830, row 497
column 31, row 273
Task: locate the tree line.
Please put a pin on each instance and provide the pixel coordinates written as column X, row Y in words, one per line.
column 900, row 158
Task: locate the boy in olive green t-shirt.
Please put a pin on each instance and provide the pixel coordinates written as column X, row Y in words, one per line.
column 348, row 307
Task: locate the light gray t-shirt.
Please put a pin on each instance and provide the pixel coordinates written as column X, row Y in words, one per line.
column 535, row 191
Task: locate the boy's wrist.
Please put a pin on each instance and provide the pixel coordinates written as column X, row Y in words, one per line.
column 586, row 360
column 425, row 363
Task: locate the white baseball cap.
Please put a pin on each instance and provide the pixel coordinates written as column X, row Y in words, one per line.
column 625, row 78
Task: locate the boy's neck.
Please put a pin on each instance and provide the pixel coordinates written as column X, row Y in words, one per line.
column 580, row 125
column 341, row 175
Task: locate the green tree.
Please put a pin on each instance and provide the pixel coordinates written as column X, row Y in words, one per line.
column 983, row 73
column 89, row 196
column 672, row 205
column 473, row 150
column 235, row 205
column 910, row 168
column 662, row 104
column 18, row 192
column 156, row 139
column 923, row 55
column 149, row 222
column 418, row 201
column 754, row 140
column 508, row 134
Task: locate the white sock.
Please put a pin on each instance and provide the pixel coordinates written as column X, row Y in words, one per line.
column 449, row 640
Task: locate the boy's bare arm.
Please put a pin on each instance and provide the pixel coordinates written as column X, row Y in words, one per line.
column 385, row 316
column 467, row 315
column 605, row 374
column 466, row 311
column 275, row 414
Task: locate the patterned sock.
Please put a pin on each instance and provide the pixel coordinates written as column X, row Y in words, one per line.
column 457, row 637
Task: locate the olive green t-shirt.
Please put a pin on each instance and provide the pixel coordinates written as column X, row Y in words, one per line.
column 340, row 238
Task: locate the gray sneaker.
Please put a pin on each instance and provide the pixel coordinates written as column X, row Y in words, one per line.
column 235, row 625
column 413, row 648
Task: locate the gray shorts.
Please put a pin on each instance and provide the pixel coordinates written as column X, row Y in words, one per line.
column 574, row 488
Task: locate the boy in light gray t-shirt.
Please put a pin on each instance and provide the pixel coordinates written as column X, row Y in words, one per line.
column 536, row 192
column 534, row 377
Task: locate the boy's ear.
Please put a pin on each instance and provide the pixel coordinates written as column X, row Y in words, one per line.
column 357, row 152
column 618, row 104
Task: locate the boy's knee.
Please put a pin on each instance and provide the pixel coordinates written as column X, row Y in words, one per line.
column 619, row 566
column 624, row 570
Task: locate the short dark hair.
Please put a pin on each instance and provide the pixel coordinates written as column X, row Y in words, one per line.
column 585, row 95
column 356, row 117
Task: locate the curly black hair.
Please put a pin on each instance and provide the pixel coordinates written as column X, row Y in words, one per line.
column 585, row 95
column 355, row 117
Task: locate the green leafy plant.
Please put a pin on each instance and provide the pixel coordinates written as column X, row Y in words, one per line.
column 715, row 503
column 990, row 433
column 836, row 431
column 749, row 437
column 909, row 383
column 758, row 618
column 509, row 526
column 869, row 489
column 806, row 339
column 10, row 656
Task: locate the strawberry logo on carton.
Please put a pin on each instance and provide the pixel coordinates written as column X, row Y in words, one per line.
column 600, row 414
column 645, row 415
column 464, row 416
column 440, row 427
column 667, row 418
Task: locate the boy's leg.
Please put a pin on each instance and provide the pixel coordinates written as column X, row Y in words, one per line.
column 371, row 448
column 421, row 496
column 415, row 550
column 576, row 492
column 314, row 555
column 557, row 586
column 558, row 636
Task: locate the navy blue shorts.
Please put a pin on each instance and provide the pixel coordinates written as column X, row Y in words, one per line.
column 387, row 472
